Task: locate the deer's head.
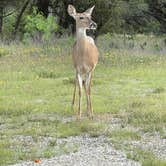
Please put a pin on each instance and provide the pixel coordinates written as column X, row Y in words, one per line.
column 83, row 20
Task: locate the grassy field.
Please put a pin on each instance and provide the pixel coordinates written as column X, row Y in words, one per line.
column 36, row 86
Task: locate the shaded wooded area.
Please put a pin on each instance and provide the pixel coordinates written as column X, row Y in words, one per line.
column 114, row 16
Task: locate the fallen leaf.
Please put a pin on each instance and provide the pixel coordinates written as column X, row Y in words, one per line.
column 37, row 161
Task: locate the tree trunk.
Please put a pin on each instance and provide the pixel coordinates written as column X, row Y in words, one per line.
column 1, row 19
column 19, row 17
column 67, row 20
column 43, row 7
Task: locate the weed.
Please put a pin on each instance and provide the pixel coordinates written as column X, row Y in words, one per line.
column 159, row 90
column 146, row 158
column 124, row 134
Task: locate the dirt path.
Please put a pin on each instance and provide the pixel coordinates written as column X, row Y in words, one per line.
column 91, row 152
column 97, row 151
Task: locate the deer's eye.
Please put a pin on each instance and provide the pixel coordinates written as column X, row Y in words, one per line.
column 81, row 18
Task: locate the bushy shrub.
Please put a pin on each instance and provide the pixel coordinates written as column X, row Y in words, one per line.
column 3, row 52
column 37, row 26
column 8, row 26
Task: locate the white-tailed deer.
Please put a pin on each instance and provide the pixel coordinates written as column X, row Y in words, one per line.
column 85, row 56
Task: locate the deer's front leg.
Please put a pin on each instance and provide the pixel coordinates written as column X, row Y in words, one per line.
column 79, row 78
column 74, row 94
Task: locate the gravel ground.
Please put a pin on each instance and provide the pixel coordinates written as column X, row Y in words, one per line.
column 98, row 151
column 91, row 152
column 153, row 143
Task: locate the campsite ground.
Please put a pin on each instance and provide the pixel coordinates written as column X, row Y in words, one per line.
column 129, row 100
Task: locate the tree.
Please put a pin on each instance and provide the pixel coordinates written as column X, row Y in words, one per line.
column 114, row 16
column 43, row 6
column 157, row 9
column 19, row 17
column 3, row 5
column 1, row 18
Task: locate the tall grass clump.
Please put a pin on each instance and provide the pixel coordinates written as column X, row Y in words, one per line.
column 136, row 44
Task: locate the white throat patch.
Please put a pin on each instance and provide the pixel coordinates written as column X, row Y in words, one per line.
column 82, row 33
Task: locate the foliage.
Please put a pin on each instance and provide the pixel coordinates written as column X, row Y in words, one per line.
column 37, row 24
column 113, row 16
column 129, row 17
column 8, row 26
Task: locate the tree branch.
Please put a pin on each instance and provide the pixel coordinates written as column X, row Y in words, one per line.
column 8, row 14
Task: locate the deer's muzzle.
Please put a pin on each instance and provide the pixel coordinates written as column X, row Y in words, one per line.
column 93, row 25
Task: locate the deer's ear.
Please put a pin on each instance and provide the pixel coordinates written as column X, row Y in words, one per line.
column 72, row 11
column 90, row 10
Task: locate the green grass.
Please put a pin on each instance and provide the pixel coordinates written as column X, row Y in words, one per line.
column 36, row 91
column 119, row 134
column 146, row 158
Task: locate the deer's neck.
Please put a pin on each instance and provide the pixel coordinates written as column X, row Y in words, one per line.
column 81, row 33
column 82, row 38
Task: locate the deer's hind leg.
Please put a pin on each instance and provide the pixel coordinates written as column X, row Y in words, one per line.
column 88, row 94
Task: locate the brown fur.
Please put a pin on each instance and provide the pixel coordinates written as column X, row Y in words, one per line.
column 86, row 58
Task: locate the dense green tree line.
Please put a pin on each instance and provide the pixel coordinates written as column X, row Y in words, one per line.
column 114, row 16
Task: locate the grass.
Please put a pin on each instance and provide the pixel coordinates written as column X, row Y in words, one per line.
column 124, row 134
column 36, row 86
column 146, row 158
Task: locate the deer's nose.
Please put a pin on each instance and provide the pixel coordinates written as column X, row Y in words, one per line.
column 93, row 25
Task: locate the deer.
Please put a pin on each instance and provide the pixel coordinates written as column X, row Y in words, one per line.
column 85, row 57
